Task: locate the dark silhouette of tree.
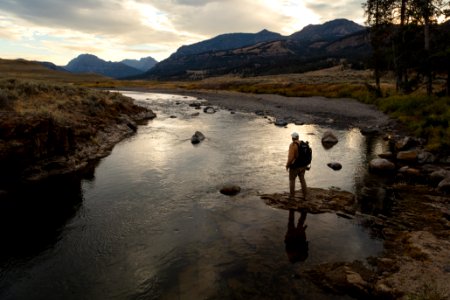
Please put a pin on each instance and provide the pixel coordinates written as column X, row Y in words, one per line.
column 394, row 24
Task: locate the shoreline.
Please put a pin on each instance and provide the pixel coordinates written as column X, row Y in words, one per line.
column 416, row 235
column 336, row 112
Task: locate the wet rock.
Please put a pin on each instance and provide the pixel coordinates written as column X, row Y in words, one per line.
column 429, row 169
column 386, row 155
column 370, row 131
column 329, row 139
column 195, row 105
column 318, row 201
column 438, row 175
column 409, row 156
column 405, row 143
column 280, row 122
column 197, row 137
column 335, row 166
column 349, row 278
column 209, row 110
column 425, row 157
column 444, row 185
column 230, row 189
column 381, row 165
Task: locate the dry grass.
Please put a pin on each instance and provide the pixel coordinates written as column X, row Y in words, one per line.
column 427, row 119
column 65, row 104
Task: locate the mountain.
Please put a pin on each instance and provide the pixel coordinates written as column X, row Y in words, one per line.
column 51, row 66
column 228, row 41
column 88, row 63
column 329, row 31
column 314, row 47
column 144, row 64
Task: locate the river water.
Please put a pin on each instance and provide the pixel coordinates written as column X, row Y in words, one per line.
column 148, row 221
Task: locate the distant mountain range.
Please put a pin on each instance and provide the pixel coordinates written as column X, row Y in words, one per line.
column 88, row 63
column 265, row 52
column 144, row 64
column 244, row 54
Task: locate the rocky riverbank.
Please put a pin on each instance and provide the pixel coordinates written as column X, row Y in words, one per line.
column 48, row 129
column 408, row 208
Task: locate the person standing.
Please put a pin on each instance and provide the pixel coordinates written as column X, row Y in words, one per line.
column 295, row 171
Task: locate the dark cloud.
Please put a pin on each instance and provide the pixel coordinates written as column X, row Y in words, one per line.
column 84, row 15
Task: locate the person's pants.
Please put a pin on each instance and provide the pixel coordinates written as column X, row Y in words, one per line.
column 293, row 173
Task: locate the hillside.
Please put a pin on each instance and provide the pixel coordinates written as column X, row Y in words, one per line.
column 228, row 41
column 328, row 31
column 276, row 57
column 314, row 47
column 23, row 69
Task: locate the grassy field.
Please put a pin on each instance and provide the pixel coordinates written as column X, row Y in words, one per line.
column 425, row 117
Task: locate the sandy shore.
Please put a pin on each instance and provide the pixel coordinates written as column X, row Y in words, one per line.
column 340, row 113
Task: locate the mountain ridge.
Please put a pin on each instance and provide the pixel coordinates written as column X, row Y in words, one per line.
column 304, row 50
column 89, row 63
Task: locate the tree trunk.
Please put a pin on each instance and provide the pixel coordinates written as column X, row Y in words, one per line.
column 427, row 56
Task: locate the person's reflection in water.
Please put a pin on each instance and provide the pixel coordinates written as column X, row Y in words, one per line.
column 295, row 239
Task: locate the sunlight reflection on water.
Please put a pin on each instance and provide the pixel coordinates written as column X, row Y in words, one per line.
column 153, row 225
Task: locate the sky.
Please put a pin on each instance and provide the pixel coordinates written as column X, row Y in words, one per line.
column 60, row 30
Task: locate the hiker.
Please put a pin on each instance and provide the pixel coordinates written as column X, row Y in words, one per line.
column 294, row 169
column 295, row 238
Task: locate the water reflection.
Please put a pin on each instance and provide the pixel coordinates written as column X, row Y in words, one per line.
column 295, row 238
column 152, row 224
column 33, row 215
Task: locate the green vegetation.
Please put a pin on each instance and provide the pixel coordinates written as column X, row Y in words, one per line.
column 424, row 116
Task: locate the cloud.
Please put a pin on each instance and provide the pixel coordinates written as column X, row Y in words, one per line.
column 329, row 10
column 161, row 26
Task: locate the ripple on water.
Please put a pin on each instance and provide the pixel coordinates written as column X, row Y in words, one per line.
column 154, row 225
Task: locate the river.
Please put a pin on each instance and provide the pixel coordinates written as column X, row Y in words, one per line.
column 148, row 221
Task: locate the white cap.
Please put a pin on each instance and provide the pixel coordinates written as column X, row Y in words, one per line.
column 294, row 135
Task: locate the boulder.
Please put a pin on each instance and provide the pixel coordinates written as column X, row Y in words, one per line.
column 230, row 189
column 329, row 139
column 405, row 143
column 280, row 122
column 381, row 164
column 335, row 166
column 386, row 155
column 197, row 137
column 209, row 110
column 425, row 157
column 410, row 156
column 439, row 175
column 370, row 130
column 444, row 185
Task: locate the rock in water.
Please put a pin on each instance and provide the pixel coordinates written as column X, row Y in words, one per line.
column 230, row 189
column 381, row 164
column 280, row 122
column 329, row 139
column 335, row 166
column 197, row 137
column 209, row 110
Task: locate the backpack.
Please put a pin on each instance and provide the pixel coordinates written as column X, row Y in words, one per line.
column 304, row 155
